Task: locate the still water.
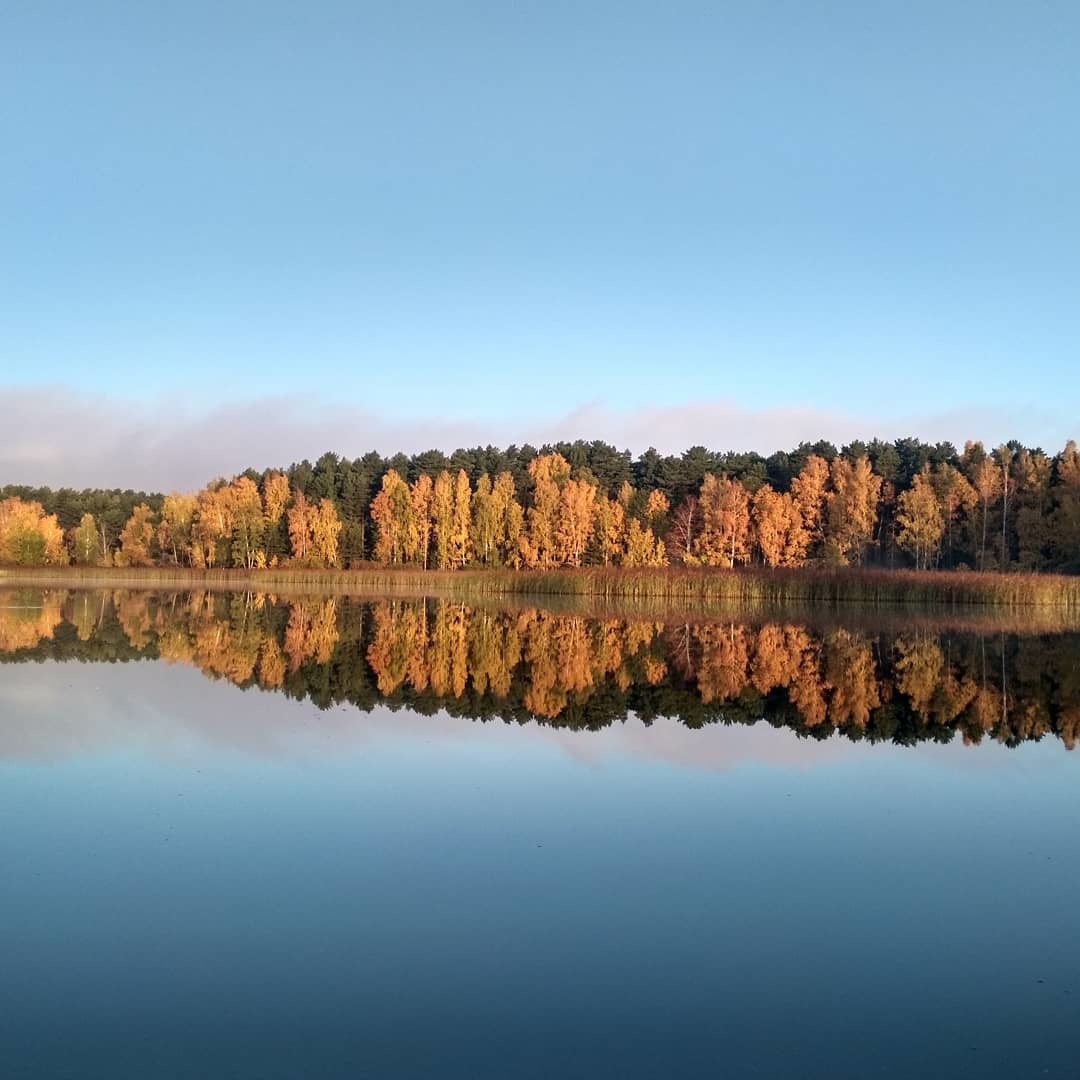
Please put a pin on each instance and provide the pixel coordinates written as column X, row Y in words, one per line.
column 251, row 837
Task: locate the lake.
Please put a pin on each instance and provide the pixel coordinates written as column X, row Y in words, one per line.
column 254, row 836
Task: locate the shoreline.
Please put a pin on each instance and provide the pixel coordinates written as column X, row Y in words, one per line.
column 744, row 588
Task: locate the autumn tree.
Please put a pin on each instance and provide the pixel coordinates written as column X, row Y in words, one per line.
column 299, row 520
column 956, row 497
column 809, row 489
column 390, row 511
column 986, row 480
column 275, row 498
column 325, row 528
column 136, row 538
column 510, row 519
column 29, row 536
column 483, row 524
column 1066, row 507
column 657, row 508
column 643, row 547
column 724, row 539
column 442, row 520
column 461, row 520
column 248, row 524
column 778, row 528
column 609, row 529
column 575, row 518
column 685, row 528
column 548, row 472
column 85, row 542
column 851, row 504
column 1003, row 457
column 920, row 519
column 417, row 543
column 175, row 528
column 1033, row 509
column 212, row 529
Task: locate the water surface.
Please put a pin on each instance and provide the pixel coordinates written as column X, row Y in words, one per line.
column 250, row 837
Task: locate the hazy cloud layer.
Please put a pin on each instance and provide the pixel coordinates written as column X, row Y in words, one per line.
column 56, row 436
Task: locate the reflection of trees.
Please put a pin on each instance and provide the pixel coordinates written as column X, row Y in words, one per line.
column 571, row 670
column 27, row 618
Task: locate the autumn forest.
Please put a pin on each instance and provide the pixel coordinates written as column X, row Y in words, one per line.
column 899, row 504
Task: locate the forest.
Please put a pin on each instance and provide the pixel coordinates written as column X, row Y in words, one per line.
column 882, row 504
column 568, row 670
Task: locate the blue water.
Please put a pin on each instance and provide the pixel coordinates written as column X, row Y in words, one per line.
column 204, row 882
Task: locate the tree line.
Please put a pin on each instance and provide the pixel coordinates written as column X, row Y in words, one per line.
column 572, row 671
column 905, row 503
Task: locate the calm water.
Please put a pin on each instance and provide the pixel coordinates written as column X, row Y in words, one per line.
column 250, row 838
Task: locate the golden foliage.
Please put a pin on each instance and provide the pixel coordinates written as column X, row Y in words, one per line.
column 25, row 625
column 29, row 536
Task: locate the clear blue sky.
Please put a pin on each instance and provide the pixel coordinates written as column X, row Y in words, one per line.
column 416, row 208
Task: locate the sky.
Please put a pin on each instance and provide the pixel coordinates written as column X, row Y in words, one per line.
column 239, row 234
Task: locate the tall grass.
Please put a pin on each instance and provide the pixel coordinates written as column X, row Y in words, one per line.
column 751, row 588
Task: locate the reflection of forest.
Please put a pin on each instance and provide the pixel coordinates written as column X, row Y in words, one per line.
column 571, row 670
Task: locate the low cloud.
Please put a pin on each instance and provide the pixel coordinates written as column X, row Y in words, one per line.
column 61, row 437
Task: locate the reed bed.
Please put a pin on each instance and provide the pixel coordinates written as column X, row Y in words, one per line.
column 749, row 588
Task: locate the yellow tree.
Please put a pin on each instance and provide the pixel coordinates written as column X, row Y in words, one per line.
column 778, row 528
column 574, row 521
column 1066, row 512
column 442, row 520
column 461, row 520
column 1003, row 457
column 174, row 529
column 955, row 496
column 213, row 524
column 85, row 544
column 986, row 481
column 325, row 527
column 657, row 507
column 275, row 497
column 29, row 536
column 509, row 516
column 684, row 529
column 810, row 492
column 136, row 537
column 610, row 528
column 642, row 546
column 483, row 523
column 418, row 523
column 549, row 472
column 511, row 546
column 300, row 530
column 249, row 524
column 390, row 511
column 920, row 519
column 724, row 539
column 313, row 531
column 852, row 507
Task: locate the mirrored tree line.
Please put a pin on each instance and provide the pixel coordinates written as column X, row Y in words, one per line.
column 573, row 671
column 584, row 504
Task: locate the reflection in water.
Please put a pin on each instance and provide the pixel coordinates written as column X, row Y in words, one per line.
column 573, row 671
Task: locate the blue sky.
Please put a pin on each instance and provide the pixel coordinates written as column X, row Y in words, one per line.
column 477, row 219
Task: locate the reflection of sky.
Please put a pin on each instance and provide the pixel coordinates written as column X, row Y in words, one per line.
column 174, row 712
column 204, row 881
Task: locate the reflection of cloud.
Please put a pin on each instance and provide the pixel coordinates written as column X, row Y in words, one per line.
column 59, row 436
column 67, row 710
column 714, row 748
